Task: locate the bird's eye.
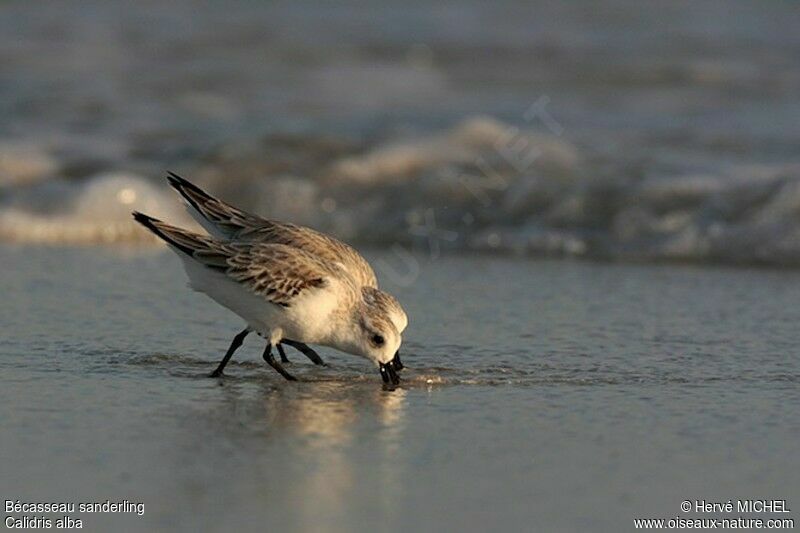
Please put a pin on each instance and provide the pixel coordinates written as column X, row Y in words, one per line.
column 377, row 340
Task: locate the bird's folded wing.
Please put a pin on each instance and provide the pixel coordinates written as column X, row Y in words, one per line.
column 236, row 224
column 276, row 272
column 320, row 245
column 230, row 223
column 221, row 215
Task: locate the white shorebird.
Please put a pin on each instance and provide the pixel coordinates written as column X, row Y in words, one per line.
column 285, row 292
column 231, row 224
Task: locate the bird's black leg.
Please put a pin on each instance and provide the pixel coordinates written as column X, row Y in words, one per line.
column 276, row 365
column 237, row 341
column 284, row 359
column 305, row 350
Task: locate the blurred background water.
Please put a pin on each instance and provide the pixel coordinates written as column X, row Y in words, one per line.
column 464, row 146
column 590, row 129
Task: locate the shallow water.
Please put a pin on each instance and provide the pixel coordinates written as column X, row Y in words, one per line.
column 544, row 395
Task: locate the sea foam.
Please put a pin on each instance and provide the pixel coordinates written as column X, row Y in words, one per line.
column 480, row 185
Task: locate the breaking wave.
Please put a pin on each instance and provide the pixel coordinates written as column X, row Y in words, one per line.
column 481, row 185
column 95, row 211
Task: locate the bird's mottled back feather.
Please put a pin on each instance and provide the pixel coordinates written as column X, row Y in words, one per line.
column 276, row 272
column 237, row 225
column 312, row 241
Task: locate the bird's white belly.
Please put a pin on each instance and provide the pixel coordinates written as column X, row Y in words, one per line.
column 306, row 320
column 261, row 315
column 311, row 317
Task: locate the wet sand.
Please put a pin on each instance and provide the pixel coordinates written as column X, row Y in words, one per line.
column 539, row 395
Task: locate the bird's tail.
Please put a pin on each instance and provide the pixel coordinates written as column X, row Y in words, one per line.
column 218, row 218
column 199, row 247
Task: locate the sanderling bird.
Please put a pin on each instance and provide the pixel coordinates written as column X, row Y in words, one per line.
column 228, row 223
column 285, row 292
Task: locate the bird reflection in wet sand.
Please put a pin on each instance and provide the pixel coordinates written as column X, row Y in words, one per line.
column 329, row 424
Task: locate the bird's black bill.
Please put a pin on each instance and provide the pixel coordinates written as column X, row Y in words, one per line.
column 396, row 362
column 389, row 374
